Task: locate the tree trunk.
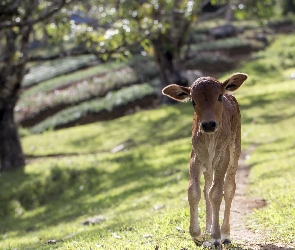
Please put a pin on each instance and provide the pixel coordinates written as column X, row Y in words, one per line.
column 16, row 24
column 11, row 154
column 229, row 15
column 169, row 72
column 12, row 71
column 167, row 50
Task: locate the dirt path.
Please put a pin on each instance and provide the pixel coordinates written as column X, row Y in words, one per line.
column 241, row 207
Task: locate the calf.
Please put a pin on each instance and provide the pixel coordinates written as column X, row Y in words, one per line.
column 216, row 147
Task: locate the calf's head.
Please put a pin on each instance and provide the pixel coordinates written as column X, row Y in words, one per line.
column 207, row 96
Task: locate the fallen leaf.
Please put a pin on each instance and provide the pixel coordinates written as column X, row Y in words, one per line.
column 116, row 236
column 158, row 207
column 52, row 241
column 148, row 235
column 94, row 220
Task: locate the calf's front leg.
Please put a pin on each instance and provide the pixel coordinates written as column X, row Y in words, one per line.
column 215, row 196
column 194, row 196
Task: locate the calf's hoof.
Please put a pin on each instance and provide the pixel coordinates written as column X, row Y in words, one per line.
column 198, row 242
column 226, row 242
column 217, row 245
column 212, row 244
column 196, row 235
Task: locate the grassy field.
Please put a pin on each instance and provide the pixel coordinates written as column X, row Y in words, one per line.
column 130, row 175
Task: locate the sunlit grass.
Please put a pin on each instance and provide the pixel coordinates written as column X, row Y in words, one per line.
column 140, row 192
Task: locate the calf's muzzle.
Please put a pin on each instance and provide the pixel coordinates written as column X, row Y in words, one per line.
column 209, row 127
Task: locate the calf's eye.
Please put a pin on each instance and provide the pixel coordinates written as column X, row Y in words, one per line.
column 220, row 98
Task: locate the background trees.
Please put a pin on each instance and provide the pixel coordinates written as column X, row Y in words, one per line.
column 118, row 28
column 17, row 19
column 114, row 28
column 161, row 28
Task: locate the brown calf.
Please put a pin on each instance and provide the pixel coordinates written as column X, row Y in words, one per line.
column 216, row 147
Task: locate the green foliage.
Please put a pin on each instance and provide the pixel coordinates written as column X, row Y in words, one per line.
column 288, row 6
column 262, row 10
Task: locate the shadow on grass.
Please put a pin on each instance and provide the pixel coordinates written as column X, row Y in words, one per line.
column 63, row 194
column 283, row 153
column 66, row 192
column 263, row 101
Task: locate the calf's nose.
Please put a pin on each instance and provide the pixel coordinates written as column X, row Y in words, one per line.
column 209, row 126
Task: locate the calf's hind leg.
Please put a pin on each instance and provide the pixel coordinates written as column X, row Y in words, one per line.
column 229, row 192
column 230, row 187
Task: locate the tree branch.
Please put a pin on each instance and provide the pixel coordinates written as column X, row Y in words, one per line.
column 9, row 9
column 85, row 51
column 205, row 17
column 45, row 14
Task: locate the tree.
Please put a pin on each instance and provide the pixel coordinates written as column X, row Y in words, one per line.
column 160, row 27
column 288, row 6
column 17, row 18
column 255, row 9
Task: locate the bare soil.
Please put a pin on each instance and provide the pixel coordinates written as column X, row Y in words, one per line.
column 241, row 207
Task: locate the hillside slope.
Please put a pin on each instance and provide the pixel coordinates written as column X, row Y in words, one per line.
column 122, row 184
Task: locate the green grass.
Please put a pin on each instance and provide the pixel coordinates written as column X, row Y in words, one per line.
column 224, row 44
column 51, row 69
column 138, row 63
column 82, row 87
column 113, row 100
column 54, row 195
column 140, row 192
column 65, row 80
column 76, row 93
column 81, row 91
column 269, row 121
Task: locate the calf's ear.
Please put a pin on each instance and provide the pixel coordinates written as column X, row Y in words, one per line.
column 235, row 81
column 176, row 92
